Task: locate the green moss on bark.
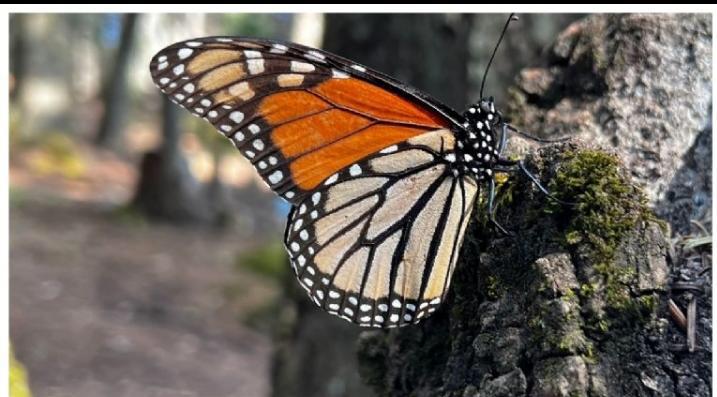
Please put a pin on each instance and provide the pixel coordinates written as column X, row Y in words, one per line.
column 606, row 206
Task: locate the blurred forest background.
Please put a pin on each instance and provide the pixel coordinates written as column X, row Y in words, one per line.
column 145, row 254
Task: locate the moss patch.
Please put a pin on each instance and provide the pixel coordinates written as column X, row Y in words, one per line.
column 606, row 207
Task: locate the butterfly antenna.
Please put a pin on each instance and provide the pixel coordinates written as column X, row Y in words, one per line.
column 512, row 17
column 535, row 138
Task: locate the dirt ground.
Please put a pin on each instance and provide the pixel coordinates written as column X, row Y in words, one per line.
column 101, row 305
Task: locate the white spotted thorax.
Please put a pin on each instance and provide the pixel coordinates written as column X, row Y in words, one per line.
column 476, row 147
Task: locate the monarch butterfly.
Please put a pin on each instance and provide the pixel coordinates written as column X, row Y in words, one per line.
column 381, row 177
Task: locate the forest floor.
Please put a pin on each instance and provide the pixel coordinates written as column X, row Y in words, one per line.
column 105, row 304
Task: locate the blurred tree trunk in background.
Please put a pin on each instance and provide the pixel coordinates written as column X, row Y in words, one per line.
column 114, row 94
column 428, row 51
column 167, row 189
column 17, row 58
column 316, row 353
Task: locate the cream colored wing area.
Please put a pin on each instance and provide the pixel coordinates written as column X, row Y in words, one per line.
column 438, row 140
column 378, row 282
column 330, row 224
column 400, row 161
column 450, row 244
column 376, row 244
column 345, row 192
column 401, row 196
column 409, row 275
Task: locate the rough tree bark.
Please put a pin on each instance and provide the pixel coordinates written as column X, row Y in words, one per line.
column 574, row 304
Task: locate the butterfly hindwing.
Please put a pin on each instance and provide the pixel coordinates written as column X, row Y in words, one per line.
column 377, row 243
column 298, row 114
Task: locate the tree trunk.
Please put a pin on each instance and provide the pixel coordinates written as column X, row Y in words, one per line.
column 18, row 46
column 114, row 94
column 575, row 303
column 167, row 190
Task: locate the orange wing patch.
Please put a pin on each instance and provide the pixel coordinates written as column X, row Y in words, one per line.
column 376, row 102
column 310, row 170
column 285, row 106
column 317, row 131
column 338, row 122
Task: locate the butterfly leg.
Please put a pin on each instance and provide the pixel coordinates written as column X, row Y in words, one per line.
column 492, row 209
column 537, row 183
column 503, row 138
column 505, row 165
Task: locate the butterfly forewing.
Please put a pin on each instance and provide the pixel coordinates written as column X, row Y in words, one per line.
column 298, row 114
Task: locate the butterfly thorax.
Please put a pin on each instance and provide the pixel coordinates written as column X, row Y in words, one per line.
column 477, row 149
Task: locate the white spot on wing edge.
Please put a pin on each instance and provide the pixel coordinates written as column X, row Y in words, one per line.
column 302, row 67
column 276, row 177
column 236, row 116
column 258, row 144
column 252, row 54
column 179, row 69
column 298, row 224
column 255, row 66
column 359, row 68
column 277, row 48
column 338, row 74
column 315, row 56
column 333, row 178
column 355, row 170
column 238, row 137
column 389, row 149
column 184, row 53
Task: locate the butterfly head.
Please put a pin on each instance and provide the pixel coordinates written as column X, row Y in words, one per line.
column 478, row 144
